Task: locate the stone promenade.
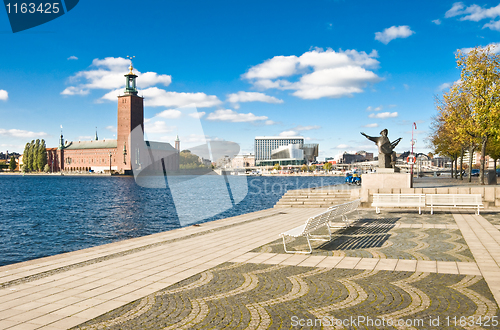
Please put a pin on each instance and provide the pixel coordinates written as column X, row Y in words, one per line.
column 426, row 271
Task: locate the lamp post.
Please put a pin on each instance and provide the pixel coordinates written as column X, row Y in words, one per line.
column 110, row 163
column 412, row 144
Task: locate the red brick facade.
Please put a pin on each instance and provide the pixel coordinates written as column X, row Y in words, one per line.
column 100, row 155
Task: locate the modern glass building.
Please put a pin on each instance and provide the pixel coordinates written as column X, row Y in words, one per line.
column 265, row 144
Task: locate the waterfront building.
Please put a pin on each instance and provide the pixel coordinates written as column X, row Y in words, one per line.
column 242, row 161
column 264, row 145
column 117, row 155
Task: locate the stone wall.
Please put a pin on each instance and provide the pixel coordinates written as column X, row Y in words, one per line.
column 491, row 195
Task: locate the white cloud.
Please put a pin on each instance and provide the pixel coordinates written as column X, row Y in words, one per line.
column 370, row 108
column 4, row 95
column 394, row 32
column 444, row 86
column 72, row 57
column 197, row 115
column 156, row 97
column 371, row 125
column 437, row 21
column 289, row 133
column 476, row 13
column 170, row 114
column 233, row 116
column 306, row 128
column 494, row 48
column 108, row 74
column 157, row 127
column 111, row 128
column 455, row 10
column 270, row 122
column 72, row 90
column 19, row 133
column 252, row 97
column 342, row 146
column 296, row 130
column 383, row 115
column 317, row 73
column 278, row 66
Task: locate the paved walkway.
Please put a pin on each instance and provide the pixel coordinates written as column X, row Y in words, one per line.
column 231, row 273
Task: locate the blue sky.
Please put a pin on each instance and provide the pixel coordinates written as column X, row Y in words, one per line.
column 325, row 70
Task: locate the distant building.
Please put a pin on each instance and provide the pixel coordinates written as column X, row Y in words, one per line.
column 223, row 162
column 284, row 150
column 351, row 158
column 116, row 155
column 242, row 161
column 264, row 145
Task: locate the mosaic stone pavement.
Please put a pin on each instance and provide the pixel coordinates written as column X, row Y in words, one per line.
column 492, row 217
column 267, row 296
column 380, row 237
column 258, row 296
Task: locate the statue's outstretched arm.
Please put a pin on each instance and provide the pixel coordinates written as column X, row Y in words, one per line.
column 371, row 138
column 395, row 143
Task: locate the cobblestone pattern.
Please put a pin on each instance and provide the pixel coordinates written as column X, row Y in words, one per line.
column 377, row 238
column 492, row 217
column 411, row 216
column 258, row 296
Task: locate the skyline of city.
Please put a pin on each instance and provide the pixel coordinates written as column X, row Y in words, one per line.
column 326, row 71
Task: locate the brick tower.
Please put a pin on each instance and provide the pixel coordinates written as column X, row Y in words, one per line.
column 130, row 115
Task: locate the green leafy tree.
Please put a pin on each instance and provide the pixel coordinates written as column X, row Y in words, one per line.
column 13, row 164
column 24, row 168
column 29, row 159
column 277, row 167
column 312, row 168
column 327, row 166
column 480, row 74
column 26, row 156
column 41, row 156
column 34, row 155
column 304, row 168
column 46, row 168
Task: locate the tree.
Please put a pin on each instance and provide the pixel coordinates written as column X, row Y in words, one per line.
column 480, row 73
column 46, row 168
column 28, row 161
column 327, row 166
column 13, row 164
column 34, row 155
column 26, row 156
column 304, row 168
column 41, row 156
column 312, row 168
column 277, row 167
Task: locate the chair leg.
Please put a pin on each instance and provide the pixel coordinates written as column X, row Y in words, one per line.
column 303, row 252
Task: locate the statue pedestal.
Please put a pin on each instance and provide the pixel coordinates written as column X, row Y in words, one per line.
column 385, row 178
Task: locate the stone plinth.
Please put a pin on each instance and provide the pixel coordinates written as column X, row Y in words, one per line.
column 385, row 180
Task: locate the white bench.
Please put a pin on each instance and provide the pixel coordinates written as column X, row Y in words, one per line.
column 454, row 200
column 398, row 200
column 321, row 220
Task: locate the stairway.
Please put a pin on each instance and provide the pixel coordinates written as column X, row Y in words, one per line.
column 321, row 197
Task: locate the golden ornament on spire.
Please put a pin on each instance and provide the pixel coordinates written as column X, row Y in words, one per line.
column 131, row 68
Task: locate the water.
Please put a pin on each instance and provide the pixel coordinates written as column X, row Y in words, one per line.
column 47, row 215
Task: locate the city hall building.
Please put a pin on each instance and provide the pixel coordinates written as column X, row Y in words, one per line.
column 120, row 155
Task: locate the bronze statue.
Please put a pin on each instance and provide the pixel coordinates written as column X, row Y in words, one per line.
column 386, row 154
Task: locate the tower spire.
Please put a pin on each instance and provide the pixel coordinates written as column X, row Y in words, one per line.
column 130, row 87
column 96, row 137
